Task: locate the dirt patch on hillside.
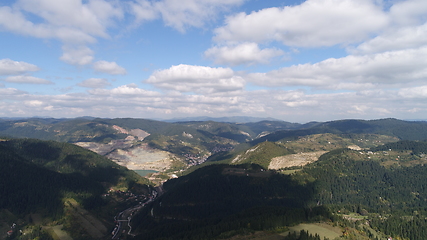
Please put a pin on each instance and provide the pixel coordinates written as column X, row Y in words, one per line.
column 292, row 160
column 160, row 165
column 354, row 147
column 140, row 134
column 142, row 157
column 133, row 156
column 104, row 149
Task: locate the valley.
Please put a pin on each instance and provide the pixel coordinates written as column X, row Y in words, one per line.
column 261, row 180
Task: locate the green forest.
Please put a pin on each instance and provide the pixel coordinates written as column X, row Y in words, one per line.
column 219, row 200
column 38, row 177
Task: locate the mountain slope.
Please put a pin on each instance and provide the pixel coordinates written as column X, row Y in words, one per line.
column 359, row 192
column 403, row 130
column 218, row 200
column 39, row 174
column 297, row 151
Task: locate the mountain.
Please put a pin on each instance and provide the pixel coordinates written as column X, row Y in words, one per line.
column 34, row 167
column 404, row 130
column 46, row 182
column 221, row 200
column 234, row 119
column 367, row 194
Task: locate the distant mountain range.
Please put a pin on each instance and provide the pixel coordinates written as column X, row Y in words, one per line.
column 194, row 141
column 234, row 119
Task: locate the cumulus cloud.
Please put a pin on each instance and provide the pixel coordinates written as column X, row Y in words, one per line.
column 94, row 83
column 313, row 23
column 130, row 90
column 407, row 29
column 11, row 93
column 109, row 67
column 34, row 103
column 75, row 23
column 414, row 92
column 90, row 18
column 27, row 79
column 394, row 39
column 388, row 68
column 409, row 12
column 181, row 14
column 245, row 53
column 293, row 105
column 10, row 67
column 77, row 55
column 143, row 10
column 200, row 79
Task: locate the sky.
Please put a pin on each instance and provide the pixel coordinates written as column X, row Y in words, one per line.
column 293, row 60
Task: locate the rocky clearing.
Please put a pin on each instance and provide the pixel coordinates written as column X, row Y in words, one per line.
column 299, row 159
column 135, row 157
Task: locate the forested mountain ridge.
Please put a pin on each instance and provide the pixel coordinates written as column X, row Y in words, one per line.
column 297, row 151
column 388, row 186
column 404, row 130
column 218, row 201
column 367, row 193
column 41, row 177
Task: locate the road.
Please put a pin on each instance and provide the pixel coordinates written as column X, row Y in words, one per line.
column 124, row 218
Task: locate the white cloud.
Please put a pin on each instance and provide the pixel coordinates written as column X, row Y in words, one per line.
column 414, row 92
column 295, row 105
column 407, row 29
column 77, row 55
column 74, row 22
column 94, row 83
column 395, row 39
column 394, row 68
column 10, row 67
column 181, row 14
column 130, row 90
column 143, row 10
column 27, row 79
column 109, row 67
column 409, row 12
column 33, row 103
column 11, row 93
column 14, row 20
column 200, row 79
column 245, row 53
column 314, row 23
column 90, row 18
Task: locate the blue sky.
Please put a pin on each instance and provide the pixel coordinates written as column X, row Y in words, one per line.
column 299, row 61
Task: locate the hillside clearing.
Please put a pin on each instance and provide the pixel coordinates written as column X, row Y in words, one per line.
column 323, row 229
column 292, row 160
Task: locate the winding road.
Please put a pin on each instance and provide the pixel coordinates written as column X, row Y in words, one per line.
column 124, row 218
